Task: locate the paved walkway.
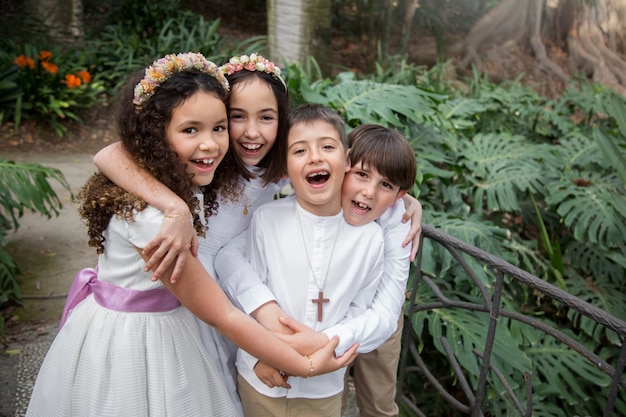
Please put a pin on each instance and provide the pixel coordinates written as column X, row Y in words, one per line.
column 49, row 252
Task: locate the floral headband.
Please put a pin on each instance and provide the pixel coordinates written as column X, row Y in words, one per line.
column 163, row 68
column 252, row 62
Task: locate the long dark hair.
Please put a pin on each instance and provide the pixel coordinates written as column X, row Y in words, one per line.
column 274, row 162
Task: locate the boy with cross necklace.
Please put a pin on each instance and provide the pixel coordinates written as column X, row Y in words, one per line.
column 293, row 243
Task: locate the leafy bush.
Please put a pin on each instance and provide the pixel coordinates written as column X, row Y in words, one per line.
column 146, row 31
column 10, row 92
column 53, row 86
column 538, row 182
column 22, row 187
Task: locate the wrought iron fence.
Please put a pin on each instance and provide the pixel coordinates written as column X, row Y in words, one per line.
column 468, row 399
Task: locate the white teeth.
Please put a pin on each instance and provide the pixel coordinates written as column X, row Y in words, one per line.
column 362, row 206
column 251, row 147
column 316, row 174
column 207, row 161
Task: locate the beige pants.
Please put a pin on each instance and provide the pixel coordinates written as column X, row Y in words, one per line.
column 375, row 376
column 256, row 404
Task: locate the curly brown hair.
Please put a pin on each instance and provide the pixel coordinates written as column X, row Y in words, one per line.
column 143, row 136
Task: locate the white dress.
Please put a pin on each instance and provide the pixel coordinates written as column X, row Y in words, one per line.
column 107, row 362
column 229, row 222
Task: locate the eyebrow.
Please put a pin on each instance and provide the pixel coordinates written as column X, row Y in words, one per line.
column 241, row 109
column 317, row 139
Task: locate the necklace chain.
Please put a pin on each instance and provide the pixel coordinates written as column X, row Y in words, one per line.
column 320, row 285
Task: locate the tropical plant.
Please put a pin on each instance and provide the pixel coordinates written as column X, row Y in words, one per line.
column 53, row 86
column 146, row 31
column 10, row 93
column 22, row 187
column 538, row 182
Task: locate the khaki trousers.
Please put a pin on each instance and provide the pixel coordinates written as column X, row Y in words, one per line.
column 256, row 404
column 375, row 375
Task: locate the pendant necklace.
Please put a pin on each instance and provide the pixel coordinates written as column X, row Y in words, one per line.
column 247, row 204
column 320, row 300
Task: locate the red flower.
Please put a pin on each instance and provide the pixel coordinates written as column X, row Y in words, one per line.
column 72, row 81
column 24, row 61
column 84, row 75
column 44, row 56
column 50, row 67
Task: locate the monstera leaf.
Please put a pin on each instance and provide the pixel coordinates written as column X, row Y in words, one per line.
column 363, row 101
column 578, row 150
column 593, row 205
column 500, row 167
column 562, row 371
column 466, row 332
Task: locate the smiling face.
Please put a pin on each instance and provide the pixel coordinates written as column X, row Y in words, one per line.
column 316, row 165
column 198, row 133
column 366, row 195
column 253, row 118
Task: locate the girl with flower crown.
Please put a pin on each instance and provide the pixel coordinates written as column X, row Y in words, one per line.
column 258, row 110
column 126, row 345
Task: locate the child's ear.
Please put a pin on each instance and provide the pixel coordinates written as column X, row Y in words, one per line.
column 401, row 194
column 348, row 165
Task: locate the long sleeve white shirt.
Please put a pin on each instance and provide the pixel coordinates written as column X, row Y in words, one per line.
column 286, row 244
column 370, row 328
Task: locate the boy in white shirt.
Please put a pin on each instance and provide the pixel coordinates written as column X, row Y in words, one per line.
column 382, row 170
column 320, row 268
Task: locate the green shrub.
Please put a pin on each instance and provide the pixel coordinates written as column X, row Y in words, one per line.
column 54, row 86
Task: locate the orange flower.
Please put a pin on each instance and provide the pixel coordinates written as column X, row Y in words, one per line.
column 24, row 61
column 84, row 75
column 51, row 68
column 72, row 81
column 44, row 56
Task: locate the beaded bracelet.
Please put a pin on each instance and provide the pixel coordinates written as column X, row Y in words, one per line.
column 175, row 216
column 311, row 365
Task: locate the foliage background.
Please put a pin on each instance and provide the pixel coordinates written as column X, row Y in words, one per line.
column 538, row 180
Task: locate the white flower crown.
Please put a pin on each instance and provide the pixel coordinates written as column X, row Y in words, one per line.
column 252, row 62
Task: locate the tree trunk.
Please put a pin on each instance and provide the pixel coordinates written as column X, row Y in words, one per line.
column 596, row 36
column 298, row 30
column 60, row 21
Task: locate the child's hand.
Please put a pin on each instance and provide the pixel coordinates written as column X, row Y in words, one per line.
column 271, row 377
column 324, row 360
column 171, row 245
column 304, row 340
column 414, row 214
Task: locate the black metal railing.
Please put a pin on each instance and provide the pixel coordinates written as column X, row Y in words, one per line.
column 472, row 403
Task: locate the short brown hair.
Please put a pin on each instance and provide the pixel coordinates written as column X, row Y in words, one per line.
column 385, row 150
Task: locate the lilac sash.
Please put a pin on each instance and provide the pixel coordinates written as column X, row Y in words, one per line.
column 116, row 298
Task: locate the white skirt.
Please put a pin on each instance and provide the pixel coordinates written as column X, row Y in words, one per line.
column 110, row 363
